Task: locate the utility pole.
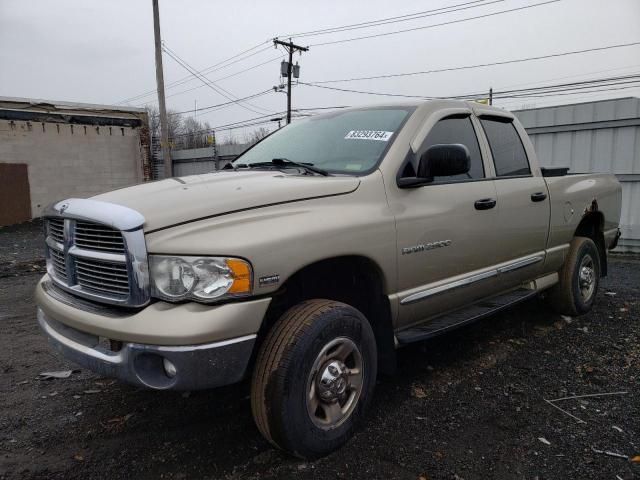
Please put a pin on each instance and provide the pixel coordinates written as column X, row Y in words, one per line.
column 290, row 47
column 164, row 127
column 491, row 96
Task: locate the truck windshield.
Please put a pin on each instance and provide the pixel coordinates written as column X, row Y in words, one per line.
column 348, row 142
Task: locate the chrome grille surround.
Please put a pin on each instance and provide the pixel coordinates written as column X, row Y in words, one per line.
column 101, row 254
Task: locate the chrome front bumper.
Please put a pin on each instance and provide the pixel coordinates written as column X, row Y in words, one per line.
column 153, row 366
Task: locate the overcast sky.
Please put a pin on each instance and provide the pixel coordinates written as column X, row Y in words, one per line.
column 102, row 51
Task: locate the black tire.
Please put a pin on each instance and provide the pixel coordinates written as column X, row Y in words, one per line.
column 567, row 297
column 282, row 375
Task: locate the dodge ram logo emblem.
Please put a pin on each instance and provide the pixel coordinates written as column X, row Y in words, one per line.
column 63, row 208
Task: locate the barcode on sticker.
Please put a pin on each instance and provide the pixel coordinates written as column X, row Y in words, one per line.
column 379, row 135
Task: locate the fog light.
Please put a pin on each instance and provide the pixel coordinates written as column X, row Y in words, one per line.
column 169, row 368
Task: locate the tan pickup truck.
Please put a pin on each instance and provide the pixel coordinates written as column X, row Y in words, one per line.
column 317, row 254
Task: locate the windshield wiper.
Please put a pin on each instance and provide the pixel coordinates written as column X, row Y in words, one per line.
column 307, row 166
column 282, row 162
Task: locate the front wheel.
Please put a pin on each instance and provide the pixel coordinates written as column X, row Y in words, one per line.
column 314, row 377
column 576, row 290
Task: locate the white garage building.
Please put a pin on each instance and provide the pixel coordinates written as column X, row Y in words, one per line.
column 54, row 150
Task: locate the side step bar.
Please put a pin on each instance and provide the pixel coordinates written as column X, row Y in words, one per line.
column 463, row 316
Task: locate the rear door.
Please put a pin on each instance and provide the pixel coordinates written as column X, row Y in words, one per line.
column 523, row 201
column 446, row 238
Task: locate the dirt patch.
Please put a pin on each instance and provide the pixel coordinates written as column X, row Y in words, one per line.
column 467, row 405
column 21, row 248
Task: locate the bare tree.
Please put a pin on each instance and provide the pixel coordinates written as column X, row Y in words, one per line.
column 154, row 120
column 230, row 139
column 191, row 133
column 184, row 132
column 256, row 135
column 174, row 120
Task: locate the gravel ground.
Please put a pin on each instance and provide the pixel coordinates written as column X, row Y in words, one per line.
column 21, row 248
column 467, row 405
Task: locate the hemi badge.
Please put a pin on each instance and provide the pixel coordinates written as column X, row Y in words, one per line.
column 268, row 280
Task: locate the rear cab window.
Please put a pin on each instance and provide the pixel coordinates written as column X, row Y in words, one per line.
column 507, row 150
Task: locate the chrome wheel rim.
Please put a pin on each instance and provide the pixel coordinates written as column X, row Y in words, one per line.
column 335, row 383
column 587, row 277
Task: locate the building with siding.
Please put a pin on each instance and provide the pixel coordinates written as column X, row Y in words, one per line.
column 199, row 160
column 600, row 136
column 55, row 150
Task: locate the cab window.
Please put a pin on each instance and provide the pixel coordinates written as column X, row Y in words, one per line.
column 507, row 150
column 456, row 130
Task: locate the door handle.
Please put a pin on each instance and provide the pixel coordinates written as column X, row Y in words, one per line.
column 485, row 204
column 538, row 196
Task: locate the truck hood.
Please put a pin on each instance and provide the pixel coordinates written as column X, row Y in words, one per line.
column 182, row 199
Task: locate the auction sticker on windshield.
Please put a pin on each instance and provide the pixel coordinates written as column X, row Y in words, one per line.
column 379, row 135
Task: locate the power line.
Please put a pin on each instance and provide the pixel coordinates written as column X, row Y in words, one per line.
column 210, row 69
column 189, row 78
column 478, row 65
column 548, row 89
column 264, row 119
column 349, row 90
column 260, row 121
column 389, row 20
column 580, row 75
column 498, row 94
column 219, row 105
column 579, row 91
column 216, row 88
column 222, row 129
column 225, row 77
column 549, row 103
column 320, row 108
column 630, row 81
column 209, row 83
column 450, row 22
column 618, row 79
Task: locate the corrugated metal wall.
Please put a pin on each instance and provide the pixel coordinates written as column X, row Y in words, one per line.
column 602, row 136
column 198, row 160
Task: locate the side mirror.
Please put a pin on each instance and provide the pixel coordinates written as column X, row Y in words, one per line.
column 444, row 161
column 440, row 160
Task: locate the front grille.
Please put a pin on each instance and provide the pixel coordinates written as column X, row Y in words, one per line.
column 55, row 229
column 93, row 236
column 58, row 263
column 103, row 277
column 96, row 261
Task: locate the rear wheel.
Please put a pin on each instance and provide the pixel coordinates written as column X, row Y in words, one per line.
column 314, row 377
column 579, row 279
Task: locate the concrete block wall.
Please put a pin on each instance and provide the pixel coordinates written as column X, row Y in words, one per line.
column 67, row 160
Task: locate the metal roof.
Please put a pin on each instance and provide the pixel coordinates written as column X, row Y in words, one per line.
column 626, row 108
column 54, row 106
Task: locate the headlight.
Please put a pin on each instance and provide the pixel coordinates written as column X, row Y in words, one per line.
column 203, row 279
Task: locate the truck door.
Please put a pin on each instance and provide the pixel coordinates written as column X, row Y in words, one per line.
column 523, row 203
column 446, row 230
